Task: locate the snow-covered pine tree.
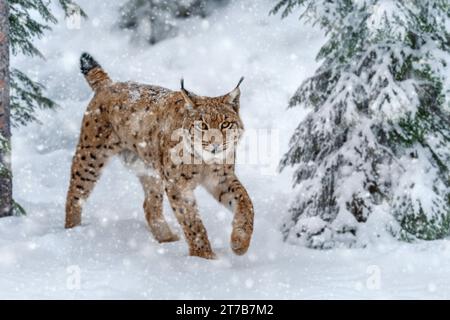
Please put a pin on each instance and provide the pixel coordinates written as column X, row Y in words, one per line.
column 376, row 146
column 20, row 95
column 156, row 20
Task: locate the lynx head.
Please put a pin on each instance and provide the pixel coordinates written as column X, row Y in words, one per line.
column 213, row 123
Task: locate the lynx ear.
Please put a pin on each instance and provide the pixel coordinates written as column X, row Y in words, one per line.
column 185, row 95
column 234, row 96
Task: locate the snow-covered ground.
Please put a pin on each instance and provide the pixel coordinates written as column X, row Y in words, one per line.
column 113, row 254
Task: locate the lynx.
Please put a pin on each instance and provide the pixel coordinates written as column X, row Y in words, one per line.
column 137, row 123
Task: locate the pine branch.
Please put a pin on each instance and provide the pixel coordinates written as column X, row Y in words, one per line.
column 26, row 96
column 24, row 28
column 289, row 6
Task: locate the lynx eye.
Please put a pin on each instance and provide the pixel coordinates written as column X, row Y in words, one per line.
column 225, row 125
column 201, row 126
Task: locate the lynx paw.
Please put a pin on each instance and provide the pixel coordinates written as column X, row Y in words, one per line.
column 206, row 255
column 240, row 241
column 171, row 238
column 72, row 222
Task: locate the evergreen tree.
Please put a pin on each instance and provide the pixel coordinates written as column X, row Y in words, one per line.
column 21, row 95
column 377, row 139
column 157, row 19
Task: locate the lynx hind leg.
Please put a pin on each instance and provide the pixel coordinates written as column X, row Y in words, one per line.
column 94, row 149
column 154, row 195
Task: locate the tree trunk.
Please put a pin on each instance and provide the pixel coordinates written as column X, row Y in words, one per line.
column 6, row 207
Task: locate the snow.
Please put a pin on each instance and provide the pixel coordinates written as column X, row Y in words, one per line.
column 113, row 255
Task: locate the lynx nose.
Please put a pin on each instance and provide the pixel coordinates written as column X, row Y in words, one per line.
column 215, row 148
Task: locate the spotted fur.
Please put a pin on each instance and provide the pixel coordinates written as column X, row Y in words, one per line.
column 136, row 122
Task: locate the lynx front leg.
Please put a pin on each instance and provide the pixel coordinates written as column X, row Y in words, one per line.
column 231, row 193
column 185, row 209
column 153, row 207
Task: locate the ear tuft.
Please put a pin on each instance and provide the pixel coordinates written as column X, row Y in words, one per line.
column 189, row 103
column 240, row 81
column 234, row 96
